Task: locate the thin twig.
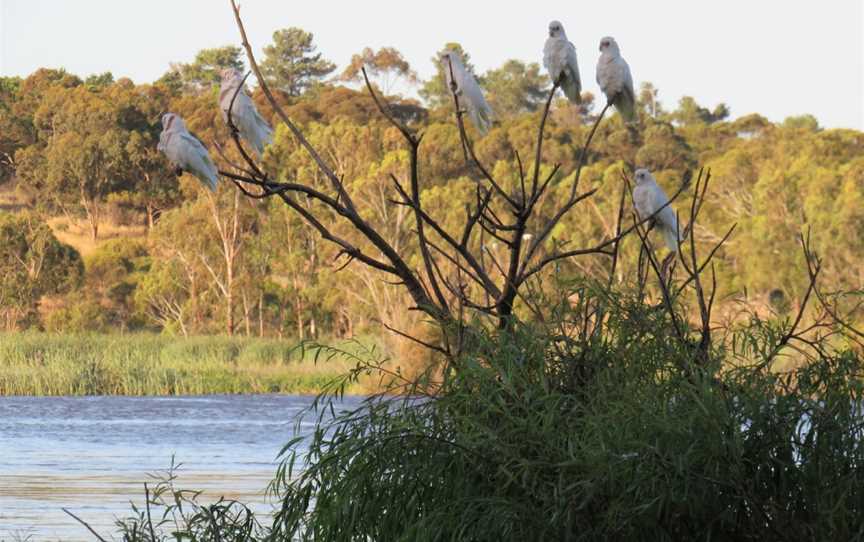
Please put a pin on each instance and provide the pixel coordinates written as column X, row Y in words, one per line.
column 84, row 523
column 539, row 151
column 572, row 200
column 147, row 505
column 791, row 332
column 413, row 146
column 664, row 290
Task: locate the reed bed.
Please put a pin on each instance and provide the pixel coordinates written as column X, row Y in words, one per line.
column 145, row 364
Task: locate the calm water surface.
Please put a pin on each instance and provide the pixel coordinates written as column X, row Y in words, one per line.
column 93, row 454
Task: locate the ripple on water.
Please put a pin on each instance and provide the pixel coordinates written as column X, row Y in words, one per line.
column 92, row 455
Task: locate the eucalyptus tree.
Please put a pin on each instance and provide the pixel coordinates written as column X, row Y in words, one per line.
column 386, row 66
column 33, row 264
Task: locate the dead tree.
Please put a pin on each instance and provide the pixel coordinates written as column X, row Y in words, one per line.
column 482, row 283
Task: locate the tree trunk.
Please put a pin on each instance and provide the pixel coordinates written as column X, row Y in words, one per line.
column 298, row 312
column 229, row 312
column 349, row 324
column 261, row 314
column 150, row 211
column 91, row 209
column 247, row 313
column 281, row 326
column 197, row 317
column 183, row 329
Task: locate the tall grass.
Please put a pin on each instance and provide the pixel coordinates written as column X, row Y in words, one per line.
column 142, row 364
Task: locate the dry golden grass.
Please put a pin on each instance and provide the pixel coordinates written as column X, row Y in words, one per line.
column 73, row 232
column 76, row 233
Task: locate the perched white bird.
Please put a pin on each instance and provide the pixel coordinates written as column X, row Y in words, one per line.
column 559, row 58
column 613, row 76
column 468, row 90
column 186, row 152
column 249, row 123
column 648, row 198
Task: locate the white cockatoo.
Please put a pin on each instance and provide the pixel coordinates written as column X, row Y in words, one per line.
column 186, row 152
column 648, row 198
column 252, row 127
column 559, row 58
column 613, row 76
column 471, row 97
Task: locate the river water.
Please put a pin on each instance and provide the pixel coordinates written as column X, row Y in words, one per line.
column 92, row 455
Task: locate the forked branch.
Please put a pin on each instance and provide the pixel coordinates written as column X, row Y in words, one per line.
column 496, row 214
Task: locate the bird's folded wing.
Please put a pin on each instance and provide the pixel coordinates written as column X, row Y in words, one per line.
column 573, row 64
column 192, row 142
column 628, row 80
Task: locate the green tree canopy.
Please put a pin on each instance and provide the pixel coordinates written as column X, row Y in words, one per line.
column 92, row 143
column 97, row 80
column 33, row 263
column 690, row 112
column 291, row 62
column 807, row 123
column 203, row 72
column 515, row 88
column 9, row 125
column 387, row 67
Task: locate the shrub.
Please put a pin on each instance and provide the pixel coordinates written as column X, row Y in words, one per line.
column 553, row 433
column 84, row 315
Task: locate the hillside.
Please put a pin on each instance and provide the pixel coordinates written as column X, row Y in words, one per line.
column 156, row 252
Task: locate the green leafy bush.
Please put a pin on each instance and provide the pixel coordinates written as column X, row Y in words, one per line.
column 554, row 432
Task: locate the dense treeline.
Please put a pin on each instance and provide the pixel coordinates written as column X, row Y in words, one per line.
column 81, row 154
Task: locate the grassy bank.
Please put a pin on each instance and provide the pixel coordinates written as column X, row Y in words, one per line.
column 141, row 364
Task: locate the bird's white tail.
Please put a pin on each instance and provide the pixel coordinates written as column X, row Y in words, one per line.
column 482, row 119
column 626, row 108
column 571, row 90
column 672, row 237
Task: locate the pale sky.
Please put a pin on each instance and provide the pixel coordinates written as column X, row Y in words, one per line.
column 774, row 57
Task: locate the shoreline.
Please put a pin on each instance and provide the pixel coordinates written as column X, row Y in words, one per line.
column 149, row 365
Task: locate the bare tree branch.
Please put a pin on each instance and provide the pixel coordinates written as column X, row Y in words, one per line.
column 413, row 145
